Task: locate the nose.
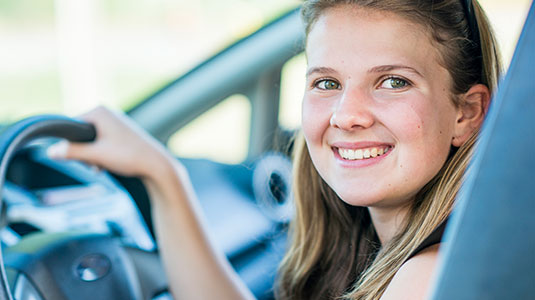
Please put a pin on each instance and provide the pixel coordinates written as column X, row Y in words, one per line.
column 353, row 111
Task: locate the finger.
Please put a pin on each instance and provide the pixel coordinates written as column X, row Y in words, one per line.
column 58, row 150
column 67, row 150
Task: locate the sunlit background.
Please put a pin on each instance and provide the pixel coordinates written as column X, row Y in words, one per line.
column 67, row 56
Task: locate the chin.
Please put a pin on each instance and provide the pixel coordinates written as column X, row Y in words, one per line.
column 375, row 199
column 359, row 200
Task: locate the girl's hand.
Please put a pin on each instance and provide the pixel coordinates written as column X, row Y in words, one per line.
column 121, row 146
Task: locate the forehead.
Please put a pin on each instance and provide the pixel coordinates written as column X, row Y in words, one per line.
column 365, row 37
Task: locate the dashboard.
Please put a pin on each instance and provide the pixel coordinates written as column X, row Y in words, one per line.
column 55, row 196
column 247, row 208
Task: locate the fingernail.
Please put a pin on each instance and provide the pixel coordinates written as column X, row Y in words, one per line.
column 96, row 169
column 57, row 150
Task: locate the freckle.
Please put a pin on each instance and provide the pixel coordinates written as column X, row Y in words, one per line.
column 441, row 132
column 400, row 166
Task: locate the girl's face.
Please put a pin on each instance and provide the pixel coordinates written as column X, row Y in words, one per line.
column 377, row 113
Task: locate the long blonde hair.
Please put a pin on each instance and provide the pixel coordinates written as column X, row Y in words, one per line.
column 334, row 251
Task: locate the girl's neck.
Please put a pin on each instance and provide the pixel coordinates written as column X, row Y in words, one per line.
column 388, row 220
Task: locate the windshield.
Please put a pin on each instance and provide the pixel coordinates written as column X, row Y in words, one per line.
column 61, row 56
column 68, row 56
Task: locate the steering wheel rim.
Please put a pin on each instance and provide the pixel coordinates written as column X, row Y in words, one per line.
column 21, row 133
column 133, row 274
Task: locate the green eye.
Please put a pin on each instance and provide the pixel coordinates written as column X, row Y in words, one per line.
column 394, row 83
column 328, row 84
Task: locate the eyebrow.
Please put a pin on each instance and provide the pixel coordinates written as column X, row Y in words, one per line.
column 388, row 68
column 378, row 69
column 320, row 70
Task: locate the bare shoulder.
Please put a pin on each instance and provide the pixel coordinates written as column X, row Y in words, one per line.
column 413, row 279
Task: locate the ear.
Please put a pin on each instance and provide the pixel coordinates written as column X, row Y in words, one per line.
column 471, row 113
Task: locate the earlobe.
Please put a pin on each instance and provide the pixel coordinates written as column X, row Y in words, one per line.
column 471, row 113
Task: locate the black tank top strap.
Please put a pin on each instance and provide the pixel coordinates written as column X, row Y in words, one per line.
column 434, row 238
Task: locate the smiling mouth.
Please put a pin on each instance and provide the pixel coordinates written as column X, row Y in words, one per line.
column 362, row 154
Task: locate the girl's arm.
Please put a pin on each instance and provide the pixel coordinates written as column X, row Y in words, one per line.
column 195, row 269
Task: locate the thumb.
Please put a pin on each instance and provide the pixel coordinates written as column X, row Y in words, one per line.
column 66, row 150
column 58, row 150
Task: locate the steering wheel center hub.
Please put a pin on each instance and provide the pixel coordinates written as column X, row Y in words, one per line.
column 93, row 267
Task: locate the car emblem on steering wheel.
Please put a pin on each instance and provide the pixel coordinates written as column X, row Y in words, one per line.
column 93, row 267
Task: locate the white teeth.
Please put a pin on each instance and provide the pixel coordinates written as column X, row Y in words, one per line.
column 350, row 153
column 358, row 154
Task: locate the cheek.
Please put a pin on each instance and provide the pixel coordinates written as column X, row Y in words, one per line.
column 314, row 120
column 407, row 121
column 424, row 135
column 421, row 120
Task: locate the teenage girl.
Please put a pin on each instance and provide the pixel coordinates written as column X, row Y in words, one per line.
column 396, row 92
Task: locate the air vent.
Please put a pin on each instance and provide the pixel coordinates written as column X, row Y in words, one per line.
column 272, row 178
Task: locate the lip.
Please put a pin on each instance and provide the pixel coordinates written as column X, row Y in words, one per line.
column 359, row 145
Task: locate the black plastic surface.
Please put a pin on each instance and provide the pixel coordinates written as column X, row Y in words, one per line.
column 51, row 260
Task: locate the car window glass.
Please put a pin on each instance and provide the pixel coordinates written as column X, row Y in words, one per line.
column 292, row 90
column 68, row 56
column 507, row 18
column 220, row 134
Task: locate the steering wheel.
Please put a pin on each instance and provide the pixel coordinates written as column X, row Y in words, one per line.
column 71, row 265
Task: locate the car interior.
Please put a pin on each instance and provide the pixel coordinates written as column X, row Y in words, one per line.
column 70, row 231
column 247, row 205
